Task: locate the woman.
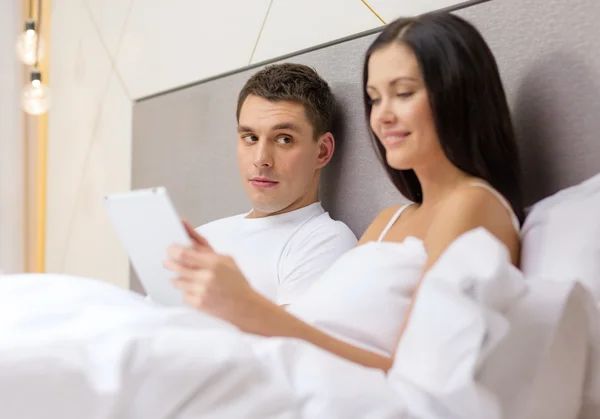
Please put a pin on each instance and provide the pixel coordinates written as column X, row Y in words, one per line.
column 438, row 114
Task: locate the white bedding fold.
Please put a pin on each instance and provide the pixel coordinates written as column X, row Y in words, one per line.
column 457, row 321
column 485, row 342
column 83, row 349
column 76, row 348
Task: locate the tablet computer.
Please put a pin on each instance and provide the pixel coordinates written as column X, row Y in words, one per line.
column 147, row 224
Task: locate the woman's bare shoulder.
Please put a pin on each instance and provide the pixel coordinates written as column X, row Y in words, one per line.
column 469, row 208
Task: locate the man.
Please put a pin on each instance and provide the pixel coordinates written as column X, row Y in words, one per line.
column 287, row 240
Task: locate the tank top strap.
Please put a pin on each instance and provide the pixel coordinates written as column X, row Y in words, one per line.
column 392, row 221
column 503, row 201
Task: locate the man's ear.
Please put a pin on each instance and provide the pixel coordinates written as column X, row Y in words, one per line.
column 326, row 144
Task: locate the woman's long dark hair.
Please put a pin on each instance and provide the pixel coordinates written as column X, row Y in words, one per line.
column 467, row 101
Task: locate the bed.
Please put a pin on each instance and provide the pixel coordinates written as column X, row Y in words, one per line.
column 521, row 344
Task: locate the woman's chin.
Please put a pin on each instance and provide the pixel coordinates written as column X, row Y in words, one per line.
column 398, row 163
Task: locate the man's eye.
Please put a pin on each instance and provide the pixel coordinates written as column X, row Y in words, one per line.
column 250, row 138
column 284, row 140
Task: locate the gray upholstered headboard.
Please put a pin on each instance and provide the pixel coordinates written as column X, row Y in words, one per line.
column 549, row 55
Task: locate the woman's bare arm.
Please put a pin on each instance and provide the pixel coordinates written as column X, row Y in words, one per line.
column 214, row 284
column 271, row 320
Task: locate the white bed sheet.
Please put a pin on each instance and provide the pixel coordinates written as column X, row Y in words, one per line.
column 75, row 348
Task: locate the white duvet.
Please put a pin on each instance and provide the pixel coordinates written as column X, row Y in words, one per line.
column 74, row 348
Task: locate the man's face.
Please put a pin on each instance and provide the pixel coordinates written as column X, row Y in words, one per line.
column 278, row 156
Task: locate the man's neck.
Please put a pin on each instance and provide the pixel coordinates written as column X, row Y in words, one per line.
column 299, row 204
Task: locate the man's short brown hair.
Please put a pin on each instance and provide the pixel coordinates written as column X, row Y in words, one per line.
column 296, row 83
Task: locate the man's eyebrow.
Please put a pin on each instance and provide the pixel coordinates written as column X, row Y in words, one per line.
column 243, row 128
column 278, row 127
column 286, row 125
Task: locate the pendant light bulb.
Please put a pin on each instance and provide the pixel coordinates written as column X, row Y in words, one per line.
column 28, row 50
column 36, row 95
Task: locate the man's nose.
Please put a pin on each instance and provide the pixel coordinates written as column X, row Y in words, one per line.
column 263, row 154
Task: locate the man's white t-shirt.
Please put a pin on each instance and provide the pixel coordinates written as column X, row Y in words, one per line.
column 281, row 255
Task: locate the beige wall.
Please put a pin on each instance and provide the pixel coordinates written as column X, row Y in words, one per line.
column 107, row 53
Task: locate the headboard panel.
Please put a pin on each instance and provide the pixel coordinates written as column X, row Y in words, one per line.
column 549, row 59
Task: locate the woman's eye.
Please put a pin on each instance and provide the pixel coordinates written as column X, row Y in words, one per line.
column 405, row 94
column 374, row 101
column 284, row 140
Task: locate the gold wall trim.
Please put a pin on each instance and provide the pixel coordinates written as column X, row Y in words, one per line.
column 36, row 141
column 260, row 32
column 42, row 150
column 373, row 11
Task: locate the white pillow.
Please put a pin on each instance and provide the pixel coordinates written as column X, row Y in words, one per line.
column 561, row 237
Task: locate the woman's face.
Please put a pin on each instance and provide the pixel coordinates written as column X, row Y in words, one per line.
column 401, row 116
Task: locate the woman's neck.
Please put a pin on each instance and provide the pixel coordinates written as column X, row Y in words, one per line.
column 438, row 181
